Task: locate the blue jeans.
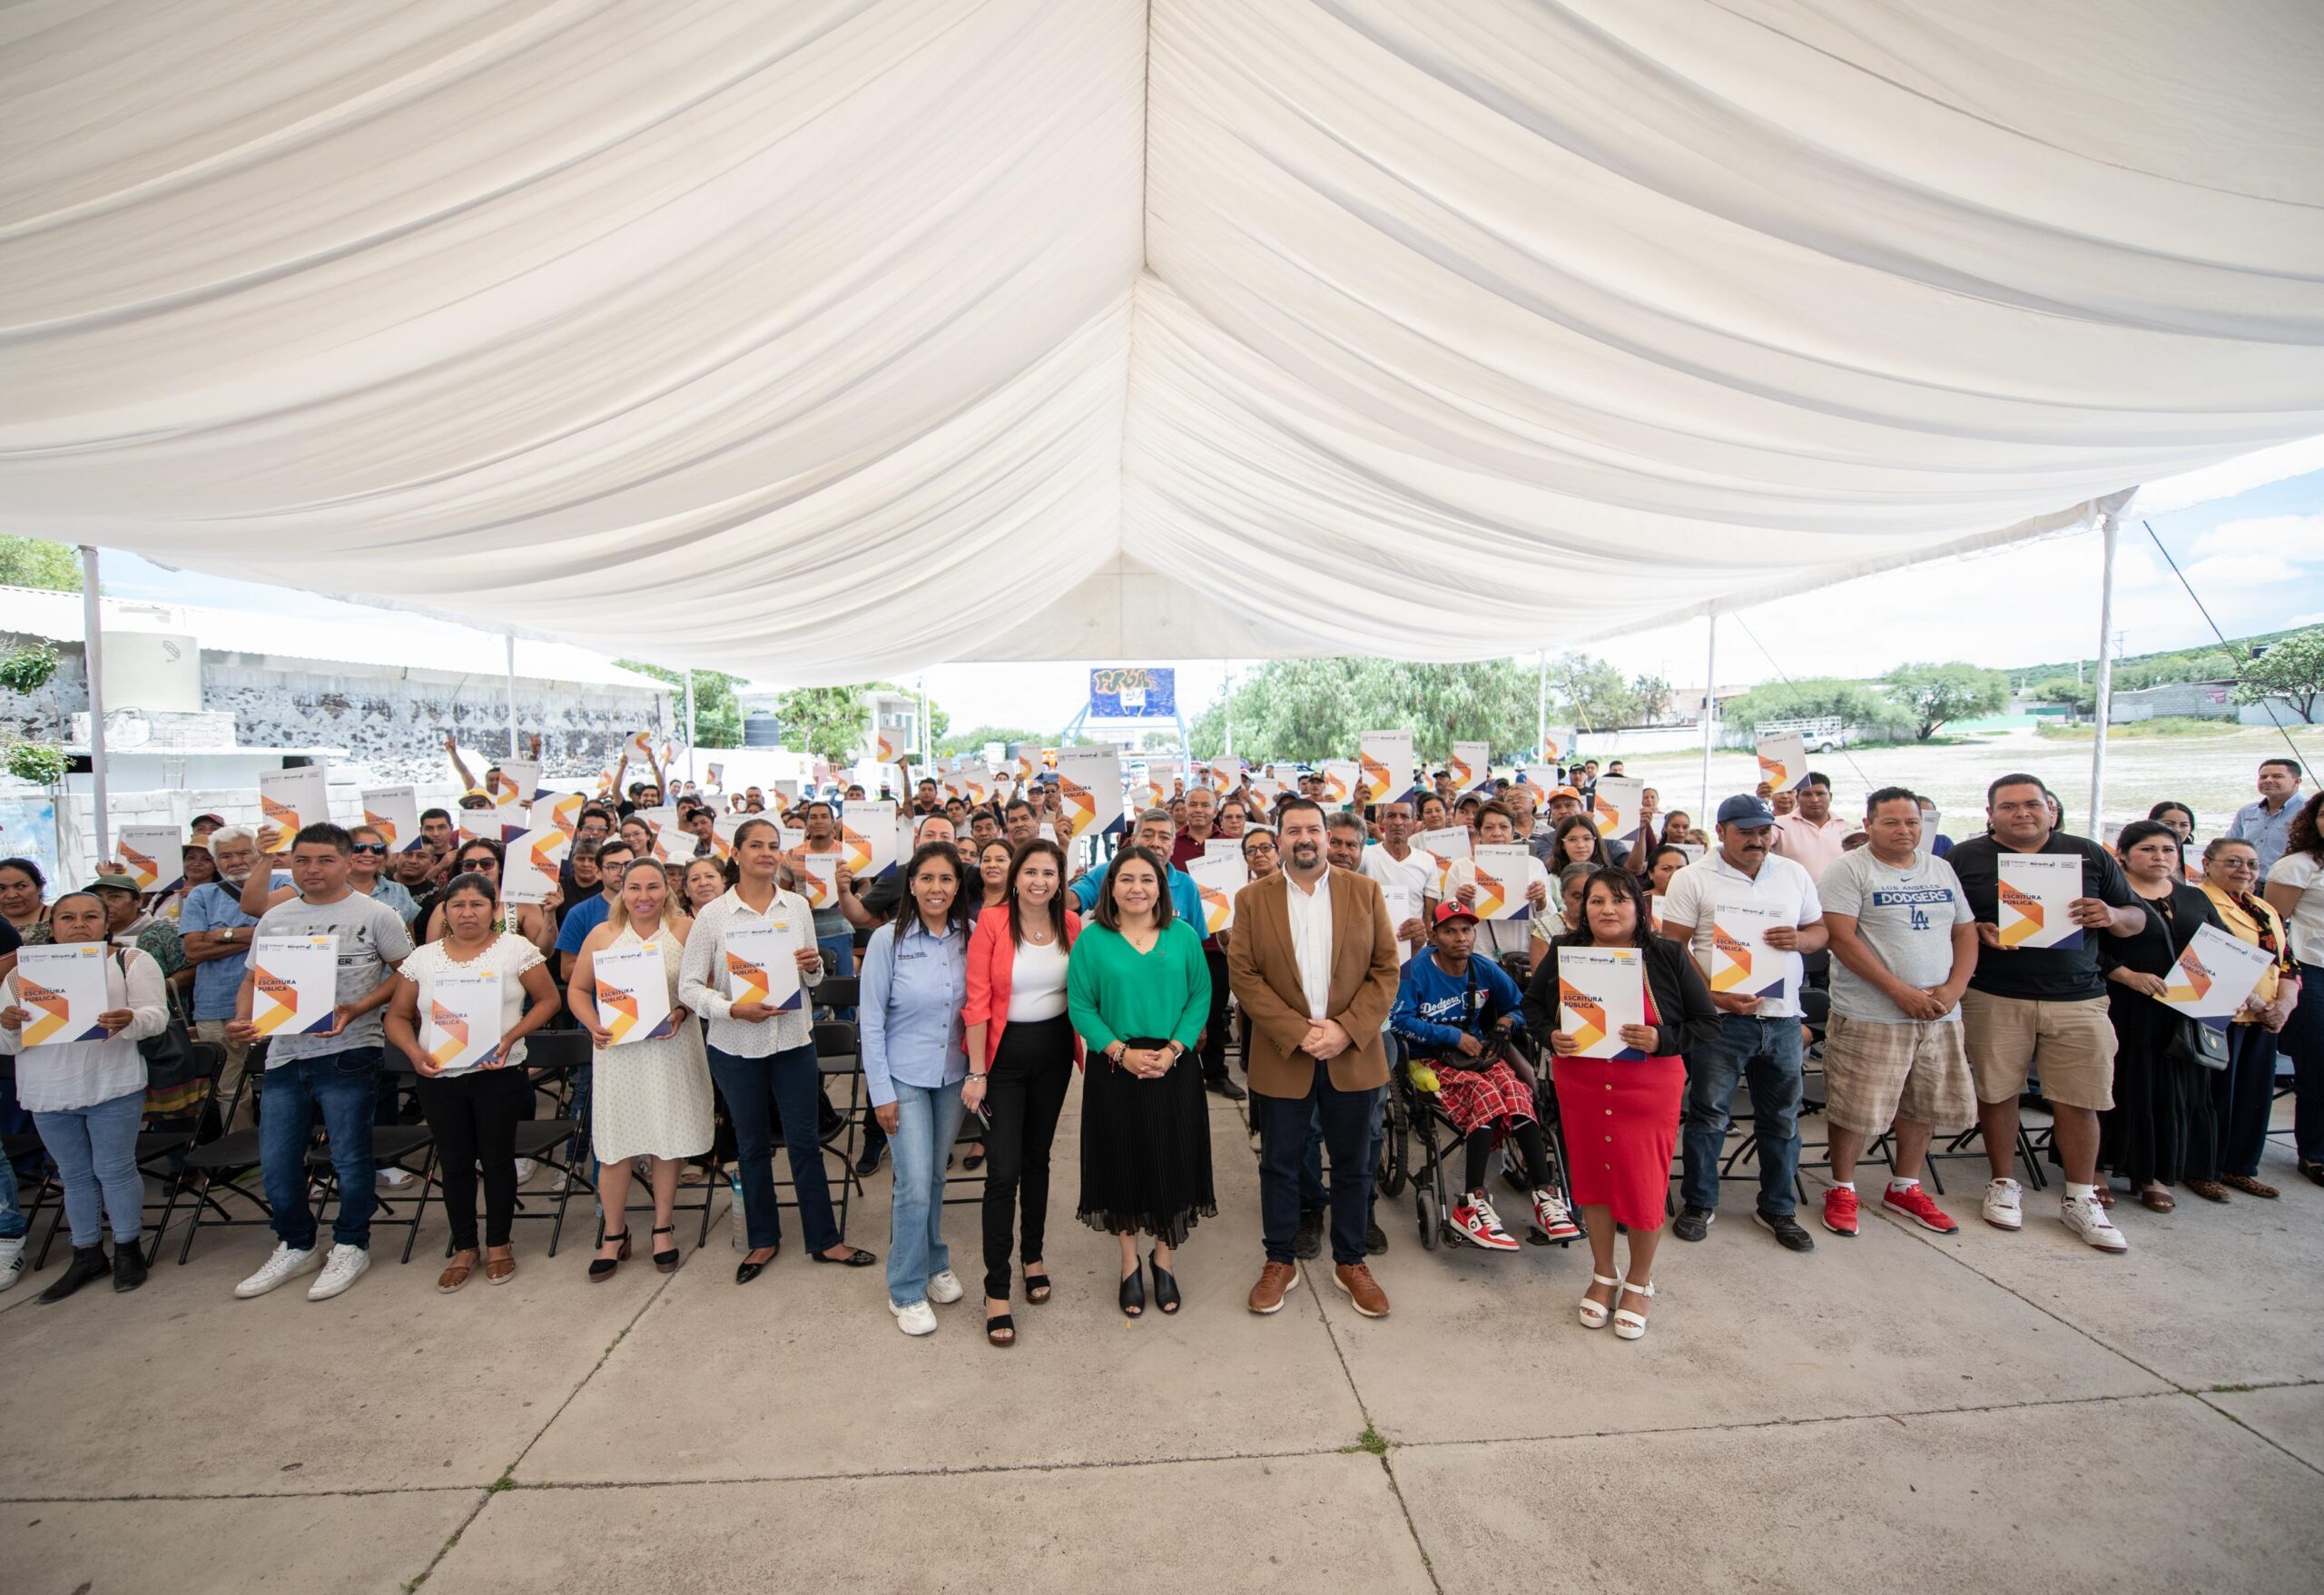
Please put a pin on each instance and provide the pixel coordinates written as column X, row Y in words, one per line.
column 343, row 1087
column 12, row 1212
column 790, row 1081
column 95, row 1149
column 928, row 1119
column 1764, row 1053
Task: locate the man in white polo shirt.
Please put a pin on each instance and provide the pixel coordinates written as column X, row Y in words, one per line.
column 1760, row 1038
column 1405, row 876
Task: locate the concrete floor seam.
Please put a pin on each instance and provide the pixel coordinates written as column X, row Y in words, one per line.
column 2204, row 1397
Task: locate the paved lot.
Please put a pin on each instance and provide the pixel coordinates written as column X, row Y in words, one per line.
column 1898, row 1411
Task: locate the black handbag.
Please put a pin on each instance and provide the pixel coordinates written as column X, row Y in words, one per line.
column 169, row 1072
column 2195, row 1043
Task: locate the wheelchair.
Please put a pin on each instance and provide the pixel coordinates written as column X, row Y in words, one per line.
column 1421, row 1147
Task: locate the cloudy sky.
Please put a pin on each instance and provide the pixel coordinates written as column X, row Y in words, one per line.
column 2257, row 560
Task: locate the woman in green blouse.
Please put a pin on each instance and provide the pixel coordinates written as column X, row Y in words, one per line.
column 1138, row 990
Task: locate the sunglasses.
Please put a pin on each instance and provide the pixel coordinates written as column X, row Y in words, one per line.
column 371, row 847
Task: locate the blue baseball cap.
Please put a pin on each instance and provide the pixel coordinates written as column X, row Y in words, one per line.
column 1747, row 810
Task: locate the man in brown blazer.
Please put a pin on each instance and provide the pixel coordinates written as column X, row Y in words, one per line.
column 1314, row 962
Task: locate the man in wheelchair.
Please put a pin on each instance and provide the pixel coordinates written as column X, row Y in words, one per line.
column 1456, row 1014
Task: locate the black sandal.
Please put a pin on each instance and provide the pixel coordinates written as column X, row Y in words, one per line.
column 996, row 1326
column 1165, row 1288
column 1134, row 1294
column 1037, row 1288
column 602, row 1268
column 666, row 1262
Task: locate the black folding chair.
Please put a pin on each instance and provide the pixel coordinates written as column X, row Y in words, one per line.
column 561, row 1141
column 21, row 1146
column 161, row 1154
column 231, row 1161
column 393, row 1146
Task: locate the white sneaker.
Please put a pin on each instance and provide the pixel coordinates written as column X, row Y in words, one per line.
column 944, row 1287
column 918, row 1318
column 395, row 1179
column 12, row 1260
column 346, row 1266
column 2004, row 1204
column 525, row 1170
column 284, row 1265
column 2087, row 1219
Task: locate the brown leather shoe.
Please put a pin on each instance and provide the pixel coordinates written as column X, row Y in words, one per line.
column 2247, row 1186
column 1363, row 1290
column 1275, row 1280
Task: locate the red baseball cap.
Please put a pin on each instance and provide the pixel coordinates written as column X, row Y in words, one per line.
column 1446, row 913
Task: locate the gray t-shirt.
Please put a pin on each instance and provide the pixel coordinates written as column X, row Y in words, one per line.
column 1906, row 916
column 372, row 939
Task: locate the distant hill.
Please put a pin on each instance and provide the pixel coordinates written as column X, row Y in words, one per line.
column 2238, row 648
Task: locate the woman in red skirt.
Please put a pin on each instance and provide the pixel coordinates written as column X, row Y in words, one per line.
column 1621, row 1116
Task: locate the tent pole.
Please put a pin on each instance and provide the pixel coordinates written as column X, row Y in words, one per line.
column 92, row 645
column 2105, row 702
column 690, row 776
column 513, row 751
column 1542, row 706
column 1710, row 702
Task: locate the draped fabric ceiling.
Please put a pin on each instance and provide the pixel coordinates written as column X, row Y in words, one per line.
column 831, row 338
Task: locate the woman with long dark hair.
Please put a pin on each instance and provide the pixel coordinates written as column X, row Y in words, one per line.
column 1138, row 991
column 915, row 984
column 2160, row 1131
column 1021, row 1053
column 474, row 1104
column 481, row 855
column 1621, row 1175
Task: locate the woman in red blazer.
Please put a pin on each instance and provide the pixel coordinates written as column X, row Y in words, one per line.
column 1021, row 1055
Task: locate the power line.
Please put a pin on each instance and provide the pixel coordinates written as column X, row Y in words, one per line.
column 1738, row 619
column 2265, row 703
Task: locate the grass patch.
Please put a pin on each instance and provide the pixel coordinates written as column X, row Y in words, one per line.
column 1371, row 1440
column 2162, row 726
column 507, row 1480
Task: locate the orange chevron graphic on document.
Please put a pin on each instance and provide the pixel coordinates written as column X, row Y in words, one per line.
column 2028, row 912
column 1591, row 1012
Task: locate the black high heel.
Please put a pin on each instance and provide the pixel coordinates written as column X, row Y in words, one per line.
column 1165, row 1287
column 602, row 1268
column 666, row 1262
column 1134, row 1292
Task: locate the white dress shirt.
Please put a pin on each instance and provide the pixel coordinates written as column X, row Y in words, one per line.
column 702, row 977
column 1311, row 939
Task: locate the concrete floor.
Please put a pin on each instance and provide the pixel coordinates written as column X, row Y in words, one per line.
column 1899, row 1413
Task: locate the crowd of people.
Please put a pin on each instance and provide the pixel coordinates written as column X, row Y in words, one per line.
column 1371, row 952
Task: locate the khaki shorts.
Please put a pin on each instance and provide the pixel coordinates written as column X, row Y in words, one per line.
column 1875, row 1074
column 2069, row 1046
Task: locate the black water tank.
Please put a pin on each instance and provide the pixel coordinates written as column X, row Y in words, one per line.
column 760, row 729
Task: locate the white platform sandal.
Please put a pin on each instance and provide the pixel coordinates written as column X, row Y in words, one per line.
column 1628, row 1325
column 1594, row 1315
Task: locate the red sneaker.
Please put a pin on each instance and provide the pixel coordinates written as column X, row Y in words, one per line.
column 1912, row 1201
column 1480, row 1226
column 1839, row 1210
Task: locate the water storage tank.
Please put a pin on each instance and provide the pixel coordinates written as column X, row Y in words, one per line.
column 760, row 729
column 157, row 672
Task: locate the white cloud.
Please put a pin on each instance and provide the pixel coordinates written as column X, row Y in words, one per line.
column 2290, row 536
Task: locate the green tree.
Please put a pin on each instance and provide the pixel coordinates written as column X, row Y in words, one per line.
column 830, row 721
column 1591, row 694
column 1935, row 693
column 1651, row 696
column 1315, row 709
column 32, row 562
column 717, row 711
column 2292, row 669
column 1862, row 709
column 968, row 742
column 2080, row 696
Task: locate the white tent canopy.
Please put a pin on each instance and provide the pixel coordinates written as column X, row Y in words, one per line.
column 821, row 340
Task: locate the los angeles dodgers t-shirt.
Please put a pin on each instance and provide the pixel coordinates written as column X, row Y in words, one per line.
column 1906, row 916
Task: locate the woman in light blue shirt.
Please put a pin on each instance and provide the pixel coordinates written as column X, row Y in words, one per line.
column 914, row 981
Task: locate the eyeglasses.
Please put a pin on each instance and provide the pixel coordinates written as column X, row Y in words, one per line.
column 371, row 847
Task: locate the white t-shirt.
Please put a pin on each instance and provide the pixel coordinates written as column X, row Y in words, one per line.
column 2306, row 922
column 1907, row 916
column 1036, row 983
column 1404, row 883
column 511, row 956
column 1695, row 893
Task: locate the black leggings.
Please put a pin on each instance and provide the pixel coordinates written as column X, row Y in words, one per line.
column 475, row 1117
column 1023, row 1098
column 1528, row 1137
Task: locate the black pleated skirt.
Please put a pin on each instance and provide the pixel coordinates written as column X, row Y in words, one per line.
column 1145, row 1150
